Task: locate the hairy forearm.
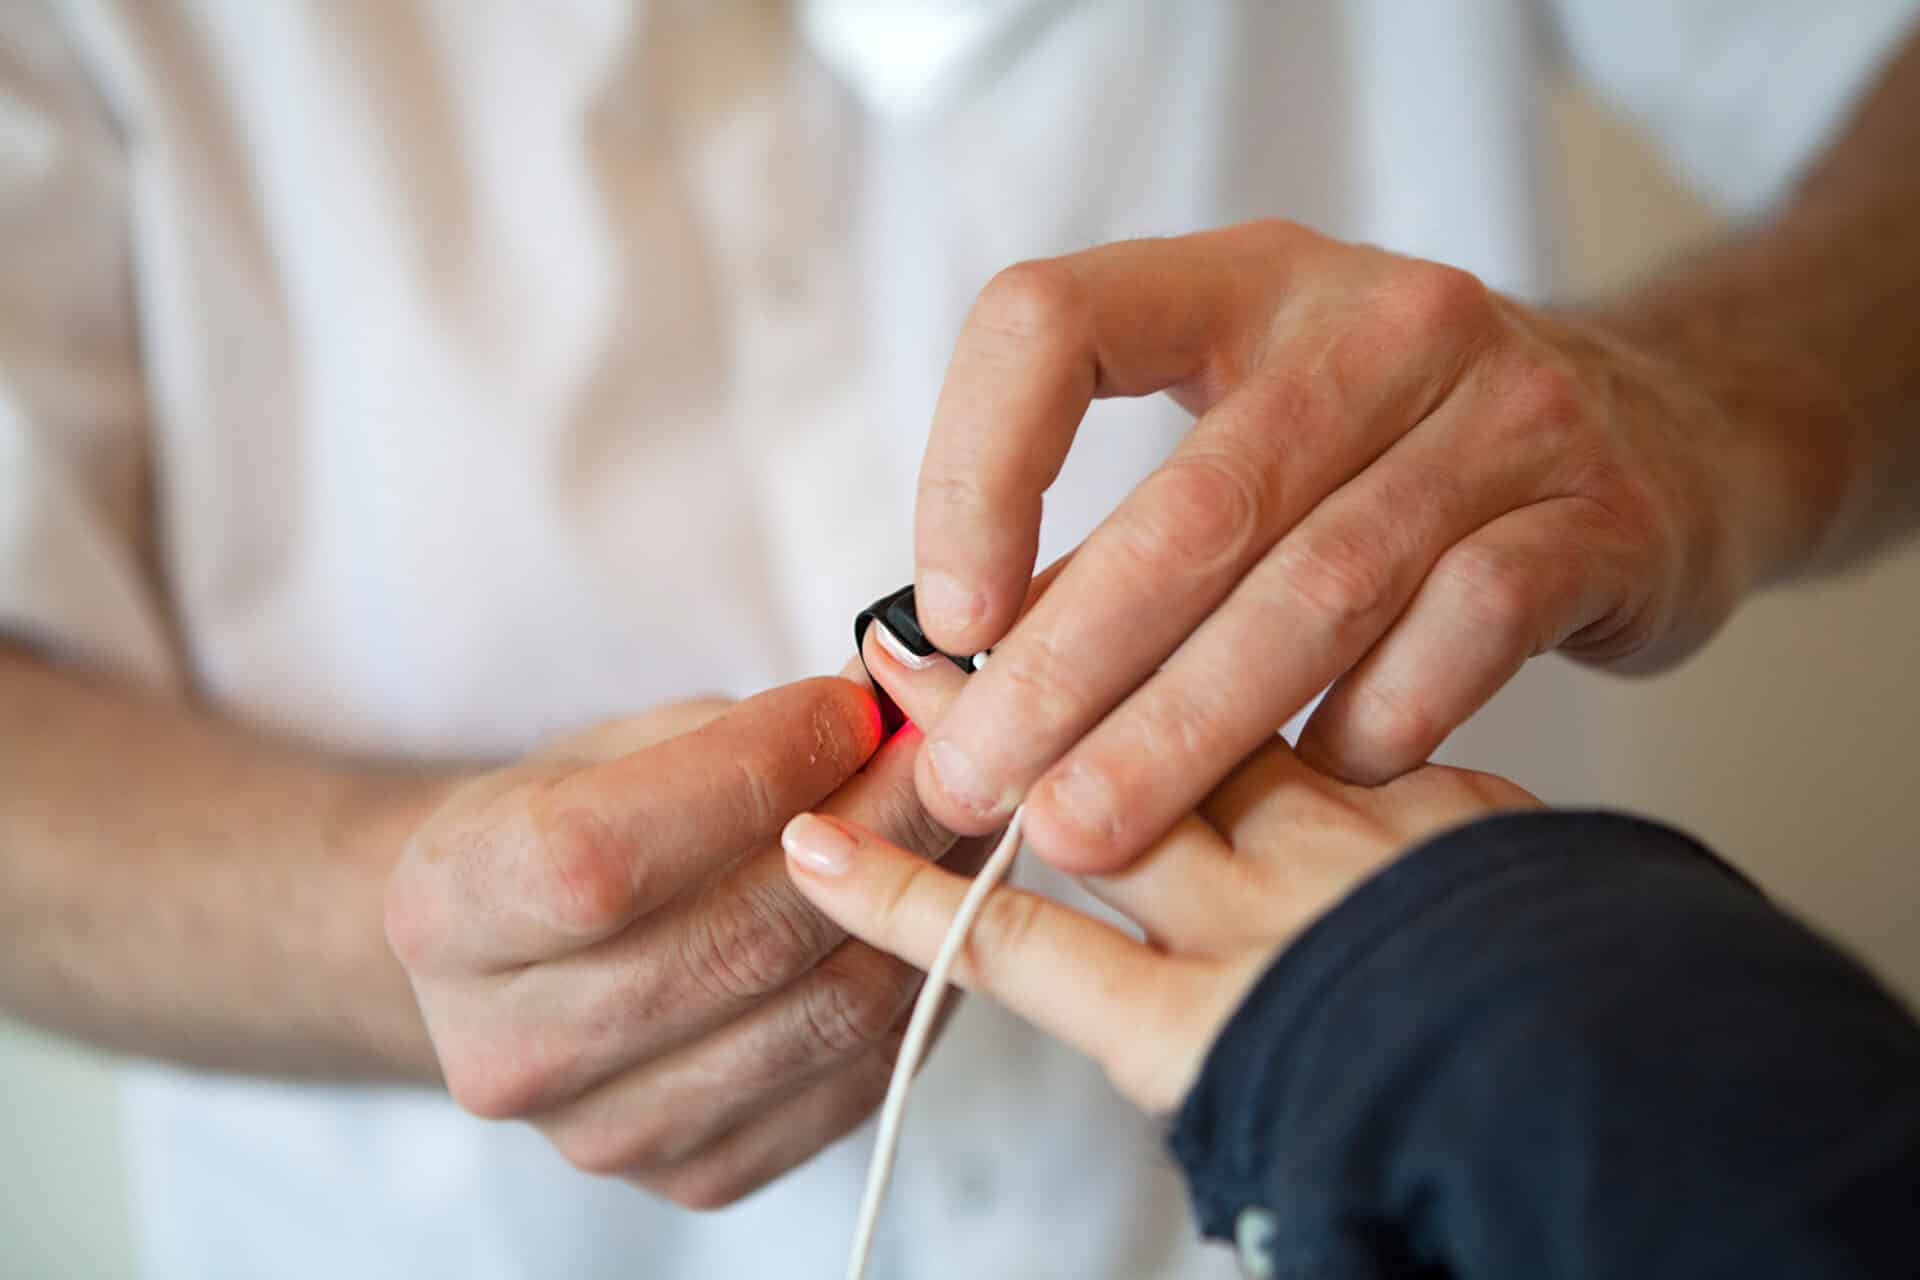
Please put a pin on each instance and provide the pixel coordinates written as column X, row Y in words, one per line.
column 175, row 887
column 1799, row 328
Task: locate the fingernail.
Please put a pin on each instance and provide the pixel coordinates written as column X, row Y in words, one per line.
column 944, row 603
column 961, row 779
column 1084, row 799
column 897, row 648
column 818, row 845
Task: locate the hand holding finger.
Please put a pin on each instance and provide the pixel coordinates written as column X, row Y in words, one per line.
column 1398, row 481
column 541, row 861
column 1070, row 975
column 1272, row 849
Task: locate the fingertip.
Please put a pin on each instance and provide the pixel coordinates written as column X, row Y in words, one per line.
column 1330, row 747
column 820, row 846
column 922, row 688
column 1063, row 842
column 851, row 702
column 975, row 543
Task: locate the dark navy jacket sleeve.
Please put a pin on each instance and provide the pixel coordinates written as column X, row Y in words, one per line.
column 1561, row 1045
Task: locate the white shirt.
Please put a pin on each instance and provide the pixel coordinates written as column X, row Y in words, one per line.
column 426, row 378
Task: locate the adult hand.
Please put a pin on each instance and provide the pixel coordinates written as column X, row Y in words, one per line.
column 1399, row 483
column 604, row 941
column 1276, row 846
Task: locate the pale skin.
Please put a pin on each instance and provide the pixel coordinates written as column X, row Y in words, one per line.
column 1399, row 483
column 172, row 883
column 601, row 939
column 1274, row 847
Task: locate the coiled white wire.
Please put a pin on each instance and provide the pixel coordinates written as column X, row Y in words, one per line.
column 919, row 1029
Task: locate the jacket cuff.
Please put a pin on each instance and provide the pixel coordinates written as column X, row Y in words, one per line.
column 1223, row 1130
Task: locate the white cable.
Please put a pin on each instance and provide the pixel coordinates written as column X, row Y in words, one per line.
column 919, row 1029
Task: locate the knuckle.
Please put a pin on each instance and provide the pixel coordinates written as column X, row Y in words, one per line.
column 1304, row 405
column 1494, row 588
column 1268, row 235
column 717, row 1178
column 863, row 1084
column 1130, row 1063
column 1546, row 401
column 868, row 1078
column 743, row 945
column 1620, row 636
column 1006, row 922
column 1397, row 727
column 1185, row 722
column 1444, row 777
column 1031, row 300
column 1492, row 789
column 1198, row 513
column 1437, row 795
column 593, row 1157
column 1343, row 582
column 1613, row 503
column 601, row 1151
column 891, row 902
column 899, row 816
column 1432, row 297
column 1045, row 682
column 409, row 918
column 646, row 1137
column 950, row 488
column 846, row 1010
column 755, row 791
column 505, row 1081
column 590, row 885
column 703, row 1186
column 472, row 1084
column 1632, row 508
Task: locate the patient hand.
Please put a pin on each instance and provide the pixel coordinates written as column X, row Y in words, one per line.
column 1274, row 848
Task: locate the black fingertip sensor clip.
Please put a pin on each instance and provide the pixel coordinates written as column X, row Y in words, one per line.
column 896, row 613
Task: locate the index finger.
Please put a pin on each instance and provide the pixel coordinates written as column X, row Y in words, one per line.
column 542, row 868
column 1068, row 974
column 1043, row 340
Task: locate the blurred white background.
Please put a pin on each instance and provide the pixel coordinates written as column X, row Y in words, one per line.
column 1793, row 745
